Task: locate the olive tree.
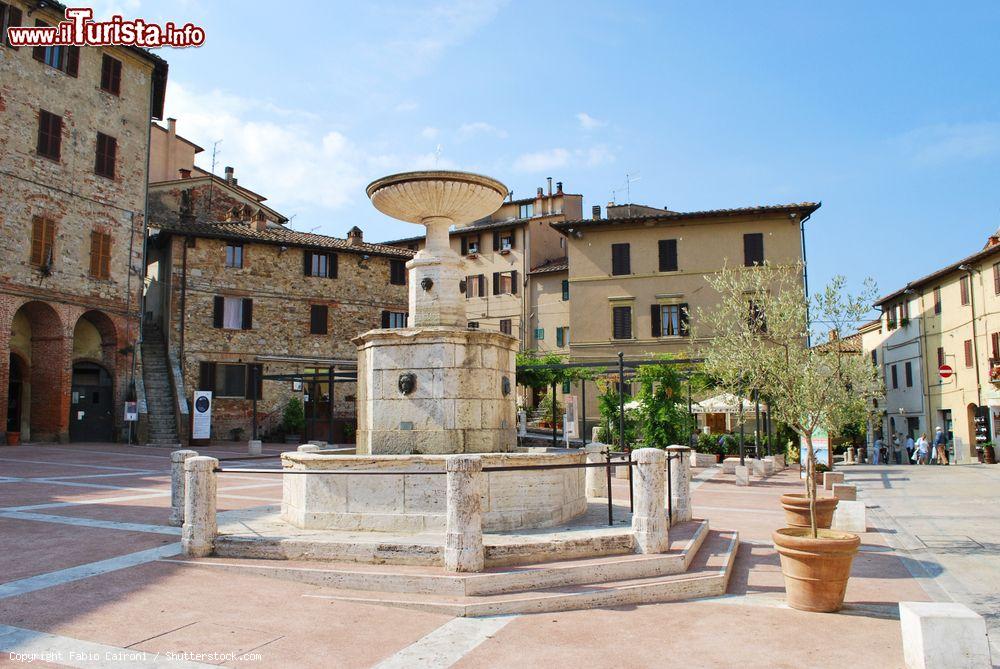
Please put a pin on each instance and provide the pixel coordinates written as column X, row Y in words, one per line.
column 757, row 337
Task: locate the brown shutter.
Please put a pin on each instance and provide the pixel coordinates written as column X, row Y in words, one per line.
column 95, row 253
column 73, row 61
column 307, row 263
column 247, row 313
column 968, row 353
column 37, row 240
column 621, row 262
column 465, row 246
column 513, row 282
column 385, row 319
column 995, row 339
column 996, row 278
column 468, row 286
column 13, row 21
column 38, row 53
column 206, row 376
column 318, row 319
column 482, row 285
column 753, row 249
column 654, row 315
column 218, row 309
column 110, row 156
column 106, row 255
column 668, row 255
column 331, row 265
column 496, row 240
column 496, row 283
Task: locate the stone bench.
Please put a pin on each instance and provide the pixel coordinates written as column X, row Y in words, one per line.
column 777, row 461
column 729, row 465
column 943, row 635
column 845, row 492
column 829, row 478
column 703, row 459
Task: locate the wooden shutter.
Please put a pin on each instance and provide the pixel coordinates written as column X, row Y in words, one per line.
column 331, row 264
column 654, row 315
column 996, row 278
column 513, row 236
column 968, row 353
column 42, row 239
column 307, row 263
column 206, row 376
column 218, row 310
column 496, row 240
column 683, row 318
column 496, row 283
column 111, row 74
column 13, row 21
column 318, row 319
column 908, row 373
column 895, row 376
column 513, row 282
column 565, row 289
column 49, row 134
column 385, row 319
column 465, row 246
column 559, row 337
column 95, row 253
column 38, row 52
column 247, row 313
column 73, row 61
column 753, row 249
column 621, row 262
column 668, row 255
column 468, row 286
column 963, row 285
column 940, row 356
column 622, row 322
column 995, row 340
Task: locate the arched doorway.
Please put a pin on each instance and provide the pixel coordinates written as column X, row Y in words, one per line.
column 38, row 340
column 15, row 393
column 91, row 407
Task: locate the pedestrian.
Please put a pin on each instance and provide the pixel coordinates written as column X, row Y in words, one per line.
column 922, row 448
column 909, row 449
column 940, row 447
column 897, row 448
column 877, row 450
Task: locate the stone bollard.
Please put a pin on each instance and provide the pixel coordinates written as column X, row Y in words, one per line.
column 308, row 448
column 596, row 477
column 649, row 518
column 850, row 516
column 200, row 525
column 845, row 492
column 522, row 423
column 943, row 635
column 757, row 467
column 255, row 447
column 829, row 478
column 742, row 475
column 177, row 459
column 680, row 483
column 463, row 543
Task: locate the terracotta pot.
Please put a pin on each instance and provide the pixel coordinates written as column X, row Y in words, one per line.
column 13, row 438
column 816, row 570
column 796, row 506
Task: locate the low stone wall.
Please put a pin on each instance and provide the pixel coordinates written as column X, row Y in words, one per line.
column 703, row 459
column 415, row 502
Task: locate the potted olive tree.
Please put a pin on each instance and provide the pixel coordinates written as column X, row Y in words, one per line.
column 758, row 337
column 293, row 420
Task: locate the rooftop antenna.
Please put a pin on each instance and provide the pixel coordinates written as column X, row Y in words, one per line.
column 211, row 183
column 629, row 178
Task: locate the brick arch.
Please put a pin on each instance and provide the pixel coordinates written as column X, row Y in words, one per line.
column 48, row 371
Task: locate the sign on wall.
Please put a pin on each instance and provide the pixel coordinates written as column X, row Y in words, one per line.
column 131, row 412
column 201, row 422
column 569, row 420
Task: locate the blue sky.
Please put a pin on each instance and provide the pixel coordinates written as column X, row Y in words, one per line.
column 887, row 112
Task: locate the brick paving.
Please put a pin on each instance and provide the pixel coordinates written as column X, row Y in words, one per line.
column 81, row 565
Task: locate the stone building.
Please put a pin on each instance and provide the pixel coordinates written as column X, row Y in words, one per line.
column 74, row 141
column 638, row 277
column 949, row 318
column 232, row 291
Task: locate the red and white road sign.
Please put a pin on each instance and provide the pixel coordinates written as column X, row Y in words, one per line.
column 945, row 371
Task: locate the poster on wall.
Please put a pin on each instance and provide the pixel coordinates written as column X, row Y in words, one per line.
column 821, row 449
column 131, row 412
column 569, row 421
column 201, row 422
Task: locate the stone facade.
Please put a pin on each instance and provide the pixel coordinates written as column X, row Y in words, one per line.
column 59, row 311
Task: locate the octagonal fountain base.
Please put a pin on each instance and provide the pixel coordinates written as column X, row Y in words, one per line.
column 436, row 390
column 415, row 502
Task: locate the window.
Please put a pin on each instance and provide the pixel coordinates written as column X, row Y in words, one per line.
column 904, row 311
column 43, row 241
column 526, row 211
column 505, row 326
column 668, row 255
column 10, row 17
column 319, row 316
column 565, row 289
column 562, row 337
column 621, row 322
column 963, row 289
column 111, row 75
column 505, row 283
column 317, row 263
column 539, row 334
column 233, row 313
column 100, row 254
column 473, row 325
column 908, row 374
column 503, row 240
column 996, row 278
column 49, row 134
column 937, row 300
column 243, row 381
column 234, row 255
column 64, row 58
column 874, row 358
column 104, row 160
column 995, row 345
column 397, row 272
column 669, row 320
column 621, row 262
column 895, row 377
column 940, row 355
column 470, row 245
column 890, row 317
column 753, row 249
column 394, row 319
column 567, row 387
column 475, row 285
column 968, row 353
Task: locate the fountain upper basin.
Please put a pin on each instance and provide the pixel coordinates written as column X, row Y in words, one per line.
column 461, row 197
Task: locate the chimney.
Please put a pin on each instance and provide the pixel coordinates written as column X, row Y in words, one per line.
column 834, row 334
column 595, row 211
column 185, row 174
column 559, row 188
column 229, row 175
column 172, row 126
column 355, row 237
column 540, row 192
column 549, row 179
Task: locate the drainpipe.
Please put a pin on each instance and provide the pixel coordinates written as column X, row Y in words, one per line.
column 184, row 265
column 975, row 350
column 805, row 277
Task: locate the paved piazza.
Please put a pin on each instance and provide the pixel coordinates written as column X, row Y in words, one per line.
column 91, row 577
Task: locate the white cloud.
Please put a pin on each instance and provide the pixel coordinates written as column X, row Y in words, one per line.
column 549, row 159
column 430, row 132
column 469, row 130
column 945, row 143
column 588, row 122
column 407, row 106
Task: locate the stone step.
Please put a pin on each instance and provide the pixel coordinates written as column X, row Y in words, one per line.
column 685, row 541
column 707, row 576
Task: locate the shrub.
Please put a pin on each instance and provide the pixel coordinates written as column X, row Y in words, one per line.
column 294, row 418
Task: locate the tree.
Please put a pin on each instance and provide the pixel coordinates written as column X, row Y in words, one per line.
column 662, row 412
column 756, row 337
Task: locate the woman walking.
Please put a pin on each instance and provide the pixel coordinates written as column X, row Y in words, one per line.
column 922, row 449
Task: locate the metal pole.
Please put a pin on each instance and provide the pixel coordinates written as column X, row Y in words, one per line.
column 767, row 428
column 312, row 411
column 331, row 381
column 756, row 420
column 253, row 384
column 694, row 421
column 554, row 440
column 670, row 501
column 611, row 513
column 628, row 470
column 740, row 400
column 621, row 402
column 583, row 409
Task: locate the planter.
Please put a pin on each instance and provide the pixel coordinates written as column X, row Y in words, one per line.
column 990, row 455
column 816, row 570
column 13, row 438
column 796, row 506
